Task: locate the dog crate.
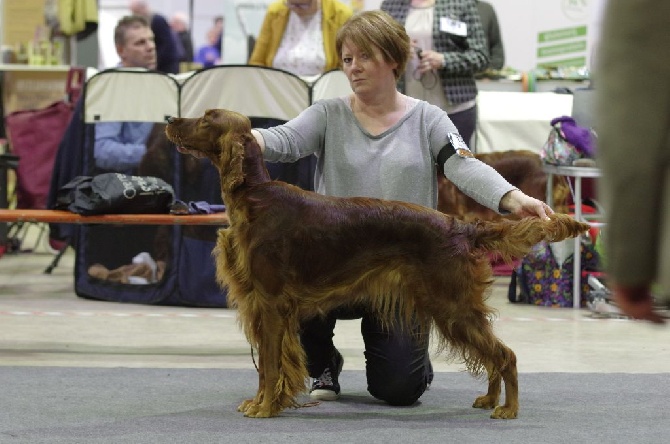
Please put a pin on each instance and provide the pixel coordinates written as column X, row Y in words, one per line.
column 168, row 265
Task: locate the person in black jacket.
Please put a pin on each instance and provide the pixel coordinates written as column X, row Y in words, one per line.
column 179, row 25
column 449, row 48
column 489, row 20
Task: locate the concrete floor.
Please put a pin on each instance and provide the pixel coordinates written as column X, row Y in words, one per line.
column 43, row 323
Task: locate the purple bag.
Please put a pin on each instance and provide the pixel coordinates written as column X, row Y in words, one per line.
column 567, row 142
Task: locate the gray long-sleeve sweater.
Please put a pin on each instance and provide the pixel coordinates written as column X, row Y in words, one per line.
column 398, row 164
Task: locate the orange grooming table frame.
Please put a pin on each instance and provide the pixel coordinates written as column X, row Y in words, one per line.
column 66, row 217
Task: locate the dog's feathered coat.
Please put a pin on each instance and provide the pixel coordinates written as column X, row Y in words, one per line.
column 290, row 255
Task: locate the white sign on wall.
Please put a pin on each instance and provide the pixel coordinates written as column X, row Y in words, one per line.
column 548, row 32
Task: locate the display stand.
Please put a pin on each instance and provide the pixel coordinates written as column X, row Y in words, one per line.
column 577, row 173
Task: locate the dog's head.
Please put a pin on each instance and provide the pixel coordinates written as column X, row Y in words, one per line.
column 218, row 135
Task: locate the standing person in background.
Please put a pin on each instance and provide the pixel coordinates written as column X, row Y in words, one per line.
column 179, row 25
column 168, row 47
column 220, row 29
column 449, row 49
column 209, row 55
column 634, row 151
column 219, row 25
column 489, row 19
column 299, row 36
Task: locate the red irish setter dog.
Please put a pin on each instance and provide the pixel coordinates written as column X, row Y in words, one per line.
column 290, row 255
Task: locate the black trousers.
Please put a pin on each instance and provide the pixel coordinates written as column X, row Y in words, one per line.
column 398, row 367
column 466, row 123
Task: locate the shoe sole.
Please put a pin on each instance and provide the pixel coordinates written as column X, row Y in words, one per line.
column 324, row 395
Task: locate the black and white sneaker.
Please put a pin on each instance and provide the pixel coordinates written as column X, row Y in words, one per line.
column 326, row 387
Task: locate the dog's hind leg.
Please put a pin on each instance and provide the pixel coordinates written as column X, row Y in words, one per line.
column 465, row 328
column 490, row 399
column 509, row 374
column 503, row 370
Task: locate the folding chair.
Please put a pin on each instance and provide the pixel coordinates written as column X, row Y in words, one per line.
column 33, row 136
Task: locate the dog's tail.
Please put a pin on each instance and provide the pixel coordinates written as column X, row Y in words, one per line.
column 514, row 239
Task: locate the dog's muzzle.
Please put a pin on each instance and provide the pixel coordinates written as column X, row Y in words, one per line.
column 169, row 119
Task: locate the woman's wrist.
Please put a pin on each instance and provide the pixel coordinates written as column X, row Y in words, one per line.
column 508, row 203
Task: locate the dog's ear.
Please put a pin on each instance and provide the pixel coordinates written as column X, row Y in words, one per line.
column 231, row 162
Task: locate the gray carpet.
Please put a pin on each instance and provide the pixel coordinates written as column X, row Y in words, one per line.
column 120, row 405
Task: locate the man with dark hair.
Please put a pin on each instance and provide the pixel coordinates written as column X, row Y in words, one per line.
column 135, row 43
column 119, row 146
column 168, row 46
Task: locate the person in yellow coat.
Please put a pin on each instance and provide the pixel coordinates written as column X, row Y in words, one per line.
column 299, row 36
column 77, row 16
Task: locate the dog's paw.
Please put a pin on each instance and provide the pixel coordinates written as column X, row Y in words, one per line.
column 258, row 413
column 252, row 409
column 485, row 402
column 245, row 405
column 504, row 412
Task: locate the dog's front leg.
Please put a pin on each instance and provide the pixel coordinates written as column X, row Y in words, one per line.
column 246, row 404
column 265, row 404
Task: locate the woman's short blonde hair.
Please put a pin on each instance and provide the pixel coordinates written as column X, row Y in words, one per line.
column 375, row 28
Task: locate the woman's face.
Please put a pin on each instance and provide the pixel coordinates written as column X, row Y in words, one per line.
column 367, row 72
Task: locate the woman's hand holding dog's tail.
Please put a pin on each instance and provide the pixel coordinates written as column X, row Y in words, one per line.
column 523, row 205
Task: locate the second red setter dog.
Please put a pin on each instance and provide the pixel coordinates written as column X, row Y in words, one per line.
column 290, row 255
column 521, row 168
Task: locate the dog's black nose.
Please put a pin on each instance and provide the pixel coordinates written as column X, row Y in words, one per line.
column 169, row 119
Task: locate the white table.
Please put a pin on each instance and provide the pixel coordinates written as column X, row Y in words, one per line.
column 578, row 173
column 517, row 120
